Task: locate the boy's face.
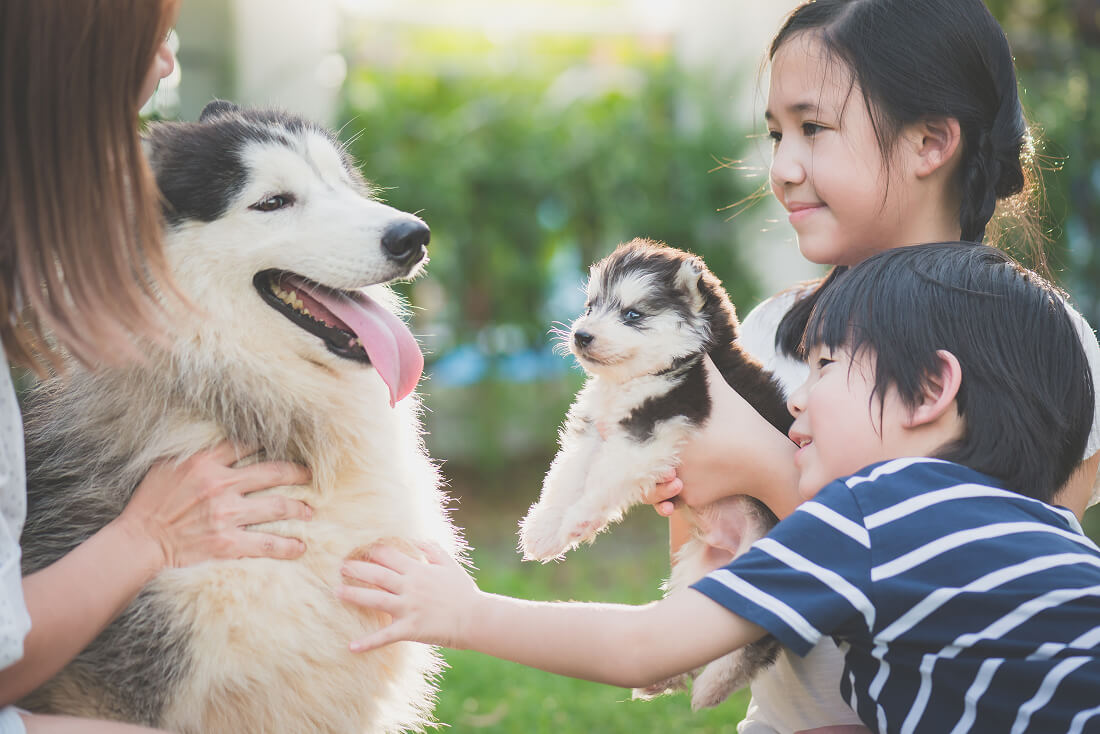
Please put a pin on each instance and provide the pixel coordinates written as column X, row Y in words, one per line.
column 837, row 423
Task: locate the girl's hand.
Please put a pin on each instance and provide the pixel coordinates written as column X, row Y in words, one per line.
column 737, row 452
column 198, row 509
column 430, row 600
column 664, row 493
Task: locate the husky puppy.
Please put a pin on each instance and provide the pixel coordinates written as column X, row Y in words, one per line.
column 653, row 313
column 294, row 347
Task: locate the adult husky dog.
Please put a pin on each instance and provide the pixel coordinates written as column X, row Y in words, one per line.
column 293, row 348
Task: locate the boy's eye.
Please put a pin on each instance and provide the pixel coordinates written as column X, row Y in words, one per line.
column 776, row 136
column 824, row 362
column 631, row 315
column 810, row 129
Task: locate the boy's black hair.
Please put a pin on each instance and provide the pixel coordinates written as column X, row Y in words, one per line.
column 1026, row 397
column 919, row 59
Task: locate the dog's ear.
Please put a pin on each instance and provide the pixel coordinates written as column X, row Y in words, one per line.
column 217, row 108
column 688, row 279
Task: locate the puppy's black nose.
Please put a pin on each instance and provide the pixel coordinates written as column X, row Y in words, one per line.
column 406, row 242
column 582, row 339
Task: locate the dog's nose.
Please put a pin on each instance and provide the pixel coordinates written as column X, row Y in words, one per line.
column 406, row 242
column 582, row 339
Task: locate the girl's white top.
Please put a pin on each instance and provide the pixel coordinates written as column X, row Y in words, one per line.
column 14, row 621
column 804, row 693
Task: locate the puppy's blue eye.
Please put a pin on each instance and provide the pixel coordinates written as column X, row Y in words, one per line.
column 272, row 203
column 631, row 315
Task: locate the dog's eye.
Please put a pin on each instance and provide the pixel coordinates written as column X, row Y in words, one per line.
column 271, row 203
column 631, row 315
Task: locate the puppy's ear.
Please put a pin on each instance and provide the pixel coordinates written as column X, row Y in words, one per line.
column 217, row 108
column 688, row 279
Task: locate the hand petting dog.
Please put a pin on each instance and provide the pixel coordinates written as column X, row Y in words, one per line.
column 430, row 600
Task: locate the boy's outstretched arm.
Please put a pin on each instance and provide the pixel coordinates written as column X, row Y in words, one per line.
column 435, row 601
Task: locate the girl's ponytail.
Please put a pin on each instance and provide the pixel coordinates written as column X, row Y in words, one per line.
column 994, row 144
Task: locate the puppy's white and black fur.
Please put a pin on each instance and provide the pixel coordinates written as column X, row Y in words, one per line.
column 293, row 348
column 652, row 314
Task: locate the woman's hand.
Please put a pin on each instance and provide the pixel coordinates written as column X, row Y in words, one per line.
column 430, row 600
column 198, row 509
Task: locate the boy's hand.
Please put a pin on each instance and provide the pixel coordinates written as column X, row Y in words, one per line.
column 430, row 601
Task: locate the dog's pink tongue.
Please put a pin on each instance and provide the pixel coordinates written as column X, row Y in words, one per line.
column 390, row 345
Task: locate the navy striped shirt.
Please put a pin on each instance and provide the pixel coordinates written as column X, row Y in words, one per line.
column 960, row 606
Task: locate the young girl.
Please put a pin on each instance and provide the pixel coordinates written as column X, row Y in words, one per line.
column 80, row 247
column 962, row 599
column 894, row 122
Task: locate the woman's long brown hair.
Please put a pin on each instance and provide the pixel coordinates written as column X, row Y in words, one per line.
column 80, row 223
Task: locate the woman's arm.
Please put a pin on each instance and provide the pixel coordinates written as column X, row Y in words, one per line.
column 435, row 601
column 182, row 513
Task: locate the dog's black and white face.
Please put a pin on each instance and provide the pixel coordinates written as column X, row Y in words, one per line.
column 644, row 311
column 273, row 230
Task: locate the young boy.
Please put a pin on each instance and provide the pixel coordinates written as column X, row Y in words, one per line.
column 948, row 399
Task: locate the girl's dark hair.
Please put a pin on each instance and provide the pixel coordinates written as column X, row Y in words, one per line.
column 1026, row 397
column 920, row 59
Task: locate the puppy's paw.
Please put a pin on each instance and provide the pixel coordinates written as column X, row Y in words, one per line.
column 579, row 527
column 540, row 537
column 669, row 685
column 717, row 681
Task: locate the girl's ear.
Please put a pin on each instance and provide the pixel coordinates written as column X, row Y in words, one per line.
column 940, row 391
column 937, row 140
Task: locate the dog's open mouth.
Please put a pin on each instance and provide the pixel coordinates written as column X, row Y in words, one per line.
column 351, row 325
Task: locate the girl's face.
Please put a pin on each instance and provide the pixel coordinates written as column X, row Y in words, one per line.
column 827, row 168
column 837, row 424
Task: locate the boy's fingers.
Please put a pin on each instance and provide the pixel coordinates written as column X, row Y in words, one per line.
column 381, row 638
column 372, row 573
column 391, row 557
column 434, row 552
column 665, row 509
column 383, row 601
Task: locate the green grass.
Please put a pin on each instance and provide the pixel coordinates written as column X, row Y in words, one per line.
column 482, row 694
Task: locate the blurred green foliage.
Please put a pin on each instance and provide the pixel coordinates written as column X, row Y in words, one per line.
column 527, row 173
column 1056, row 44
column 545, row 168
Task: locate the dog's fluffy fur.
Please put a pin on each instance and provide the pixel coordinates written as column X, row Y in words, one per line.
column 653, row 312
column 255, row 645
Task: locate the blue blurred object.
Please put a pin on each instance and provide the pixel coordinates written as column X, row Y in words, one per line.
column 467, row 364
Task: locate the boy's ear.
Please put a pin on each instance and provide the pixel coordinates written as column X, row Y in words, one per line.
column 937, row 140
column 940, row 391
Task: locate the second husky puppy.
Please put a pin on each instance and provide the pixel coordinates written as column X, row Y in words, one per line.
column 653, row 314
